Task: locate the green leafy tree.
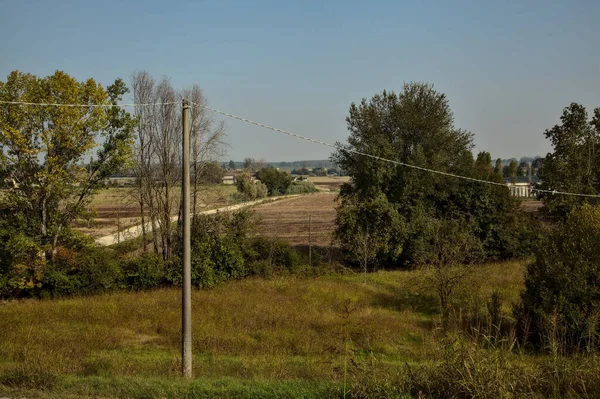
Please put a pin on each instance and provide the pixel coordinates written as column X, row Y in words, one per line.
column 561, row 300
column 210, row 173
column 513, row 169
column 249, row 189
column 498, row 170
column 277, row 182
column 416, row 127
column 43, row 150
column 574, row 165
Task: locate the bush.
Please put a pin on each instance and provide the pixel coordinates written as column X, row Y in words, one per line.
column 561, row 300
column 277, row 182
column 147, row 271
column 249, row 190
column 219, row 248
column 301, row 187
column 269, row 255
column 90, row 270
column 21, row 266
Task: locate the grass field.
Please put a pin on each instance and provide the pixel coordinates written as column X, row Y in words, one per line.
column 285, row 337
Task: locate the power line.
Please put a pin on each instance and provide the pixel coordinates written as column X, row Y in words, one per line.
column 338, row 147
column 298, row 136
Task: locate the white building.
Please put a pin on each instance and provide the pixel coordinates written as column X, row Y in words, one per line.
column 522, row 190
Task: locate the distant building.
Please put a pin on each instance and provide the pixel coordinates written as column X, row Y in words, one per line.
column 522, row 190
column 229, row 179
column 523, row 187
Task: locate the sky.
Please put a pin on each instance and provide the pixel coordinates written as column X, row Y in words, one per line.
column 508, row 68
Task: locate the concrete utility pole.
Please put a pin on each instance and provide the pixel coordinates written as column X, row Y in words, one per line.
column 186, row 300
column 310, row 240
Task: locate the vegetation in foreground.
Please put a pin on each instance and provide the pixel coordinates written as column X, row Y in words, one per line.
column 288, row 337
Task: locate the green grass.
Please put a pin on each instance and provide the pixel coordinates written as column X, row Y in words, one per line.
column 285, row 337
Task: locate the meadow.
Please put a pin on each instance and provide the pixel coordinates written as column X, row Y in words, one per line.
column 289, row 336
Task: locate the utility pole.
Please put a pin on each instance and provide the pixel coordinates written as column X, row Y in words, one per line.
column 310, row 240
column 186, row 300
column 118, row 225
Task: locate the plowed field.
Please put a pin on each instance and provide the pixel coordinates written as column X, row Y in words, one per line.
column 293, row 219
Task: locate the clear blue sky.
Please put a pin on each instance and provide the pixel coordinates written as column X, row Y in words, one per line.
column 508, row 67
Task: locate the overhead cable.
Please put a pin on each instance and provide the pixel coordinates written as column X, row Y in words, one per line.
column 298, row 136
column 341, row 148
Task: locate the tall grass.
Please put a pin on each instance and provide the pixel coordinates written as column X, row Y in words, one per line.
column 284, row 337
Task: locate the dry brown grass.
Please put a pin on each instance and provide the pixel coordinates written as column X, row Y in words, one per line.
column 114, row 203
column 275, row 329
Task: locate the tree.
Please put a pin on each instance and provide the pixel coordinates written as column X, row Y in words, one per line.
column 561, row 300
column 212, row 173
column 574, row 166
column 248, row 189
column 252, row 165
column 43, row 149
column 231, row 164
column 277, row 182
column 537, row 163
column 158, row 160
column 513, row 169
column 416, row 127
column 483, row 164
column 367, row 228
column 453, row 249
column 498, row 170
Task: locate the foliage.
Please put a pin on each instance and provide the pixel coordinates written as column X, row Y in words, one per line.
column 512, row 170
column 301, row 187
column 271, row 255
column 416, row 127
column 42, row 149
column 211, row 173
column 219, row 246
column 146, row 271
column 277, row 182
column 249, row 190
column 574, row 166
column 561, row 300
column 252, row 165
column 375, row 223
column 451, row 250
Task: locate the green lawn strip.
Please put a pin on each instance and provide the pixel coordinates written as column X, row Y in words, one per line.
column 169, row 387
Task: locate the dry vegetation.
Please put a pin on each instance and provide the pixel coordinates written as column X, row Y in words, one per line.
column 329, row 183
column 302, row 329
column 116, row 207
column 289, row 219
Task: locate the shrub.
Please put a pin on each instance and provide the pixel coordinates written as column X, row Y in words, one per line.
column 561, row 300
column 147, row 271
column 219, row 247
column 277, row 182
column 90, row 270
column 249, row 190
column 272, row 254
column 301, row 187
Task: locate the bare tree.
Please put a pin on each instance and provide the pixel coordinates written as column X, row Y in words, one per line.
column 143, row 88
column 159, row 165
column 206, row 143
column 365, row 249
